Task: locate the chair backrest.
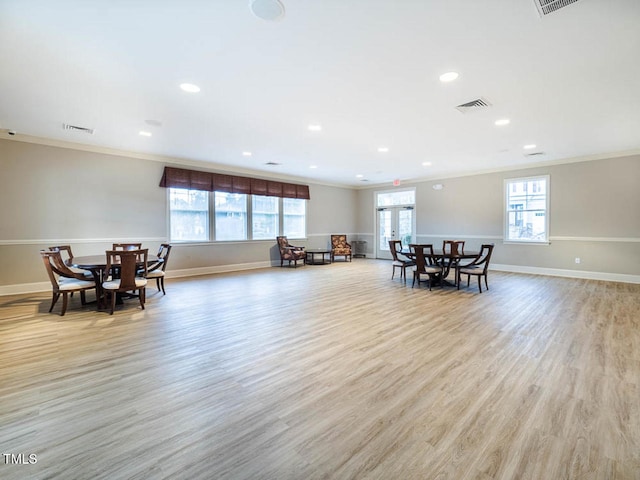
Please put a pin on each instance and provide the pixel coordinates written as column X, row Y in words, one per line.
column 339, row 241
column 395, row 246
column 283, row 243
column 126, row 246
column 484, row 257
column 423, row 255
column 453, row 247
column 129, row 264
column 65, row 251
column 56, row 267
column 163, row 254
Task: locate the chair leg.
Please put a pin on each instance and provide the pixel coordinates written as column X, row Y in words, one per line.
column 480, row 283
column 162, row 285
column 113, row 301
column 54, row 299
column 141, row 296
column 65, row 301
column 83, row 298
column 485, row 282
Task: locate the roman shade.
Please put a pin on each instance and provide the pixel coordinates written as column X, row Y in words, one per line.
column 216, row 182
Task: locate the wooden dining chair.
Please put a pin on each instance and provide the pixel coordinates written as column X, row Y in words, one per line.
column 398, row 261
column 131, row 266
column 64, row 281
column 126, row 246
column 450, row 248
column 67, row 257
column 426, row 264
column 478, row 267
column 156, row 269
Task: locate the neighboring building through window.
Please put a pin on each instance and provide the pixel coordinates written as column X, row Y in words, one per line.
column 527, row 209
column 189, row 215
column 265, row 217
column 201, row 216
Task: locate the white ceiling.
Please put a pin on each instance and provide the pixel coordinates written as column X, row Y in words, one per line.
column 366, row 70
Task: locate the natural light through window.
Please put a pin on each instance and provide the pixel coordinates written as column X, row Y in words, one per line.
column 527, row 206
column 202, row 216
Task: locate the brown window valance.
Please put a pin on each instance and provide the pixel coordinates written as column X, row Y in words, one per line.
column 217, row 182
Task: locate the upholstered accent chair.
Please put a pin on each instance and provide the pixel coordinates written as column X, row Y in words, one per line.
column 340, row 247
column 399, row 260
column 290, row 253
column 156, row 269
column 131, row 266
column 479, row 267
column 63, row 280
column 426, row 264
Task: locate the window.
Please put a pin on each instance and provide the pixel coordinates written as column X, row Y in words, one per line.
column 265, row 218
column 192, row 213
column 527, row 206
column 189, row 215
column 231, row 216
column 294, row 217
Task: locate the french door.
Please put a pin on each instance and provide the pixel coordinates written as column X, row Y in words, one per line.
column 394, row 223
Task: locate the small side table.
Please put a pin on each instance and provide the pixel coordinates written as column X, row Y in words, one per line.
column 313, row 253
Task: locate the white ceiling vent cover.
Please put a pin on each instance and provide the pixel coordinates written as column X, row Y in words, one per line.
column 75, row 128
column 545, row 7
column 473, row 105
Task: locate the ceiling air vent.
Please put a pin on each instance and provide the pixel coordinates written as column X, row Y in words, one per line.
column 473, row 105
column 533, row 154
column 545, row 7
column 273, row 164
column 75, row 128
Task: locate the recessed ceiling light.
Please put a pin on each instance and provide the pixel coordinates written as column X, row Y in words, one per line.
column 314, row 127
column 359, row 175
column 313, row 166
column 190, row 87
column 246, row 154
column 449, row 77
column 529, row 147
column 270, row 10
column 437, row 186
column 502, row 122
column 383, row 149
column 145, row 134
column 426, row 164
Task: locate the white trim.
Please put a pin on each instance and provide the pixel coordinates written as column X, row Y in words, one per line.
column 511, row 168
column 66, row 241
column 557, row 272
column 596, row 239
column 461, row 236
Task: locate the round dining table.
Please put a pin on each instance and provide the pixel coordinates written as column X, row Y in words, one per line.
column 96, row 265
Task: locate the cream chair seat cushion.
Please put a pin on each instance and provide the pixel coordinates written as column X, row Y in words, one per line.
column 155, row 274
column 115, row 284
column 71, row 284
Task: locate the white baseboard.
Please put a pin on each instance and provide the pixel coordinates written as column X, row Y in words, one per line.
column 23, row 288
column 557, row 272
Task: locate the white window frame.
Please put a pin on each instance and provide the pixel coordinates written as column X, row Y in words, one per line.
column 508, row 182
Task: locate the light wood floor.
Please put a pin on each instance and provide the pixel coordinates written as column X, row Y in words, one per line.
column 327, row 372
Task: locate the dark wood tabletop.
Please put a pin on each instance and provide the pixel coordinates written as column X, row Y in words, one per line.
column 97, row 262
